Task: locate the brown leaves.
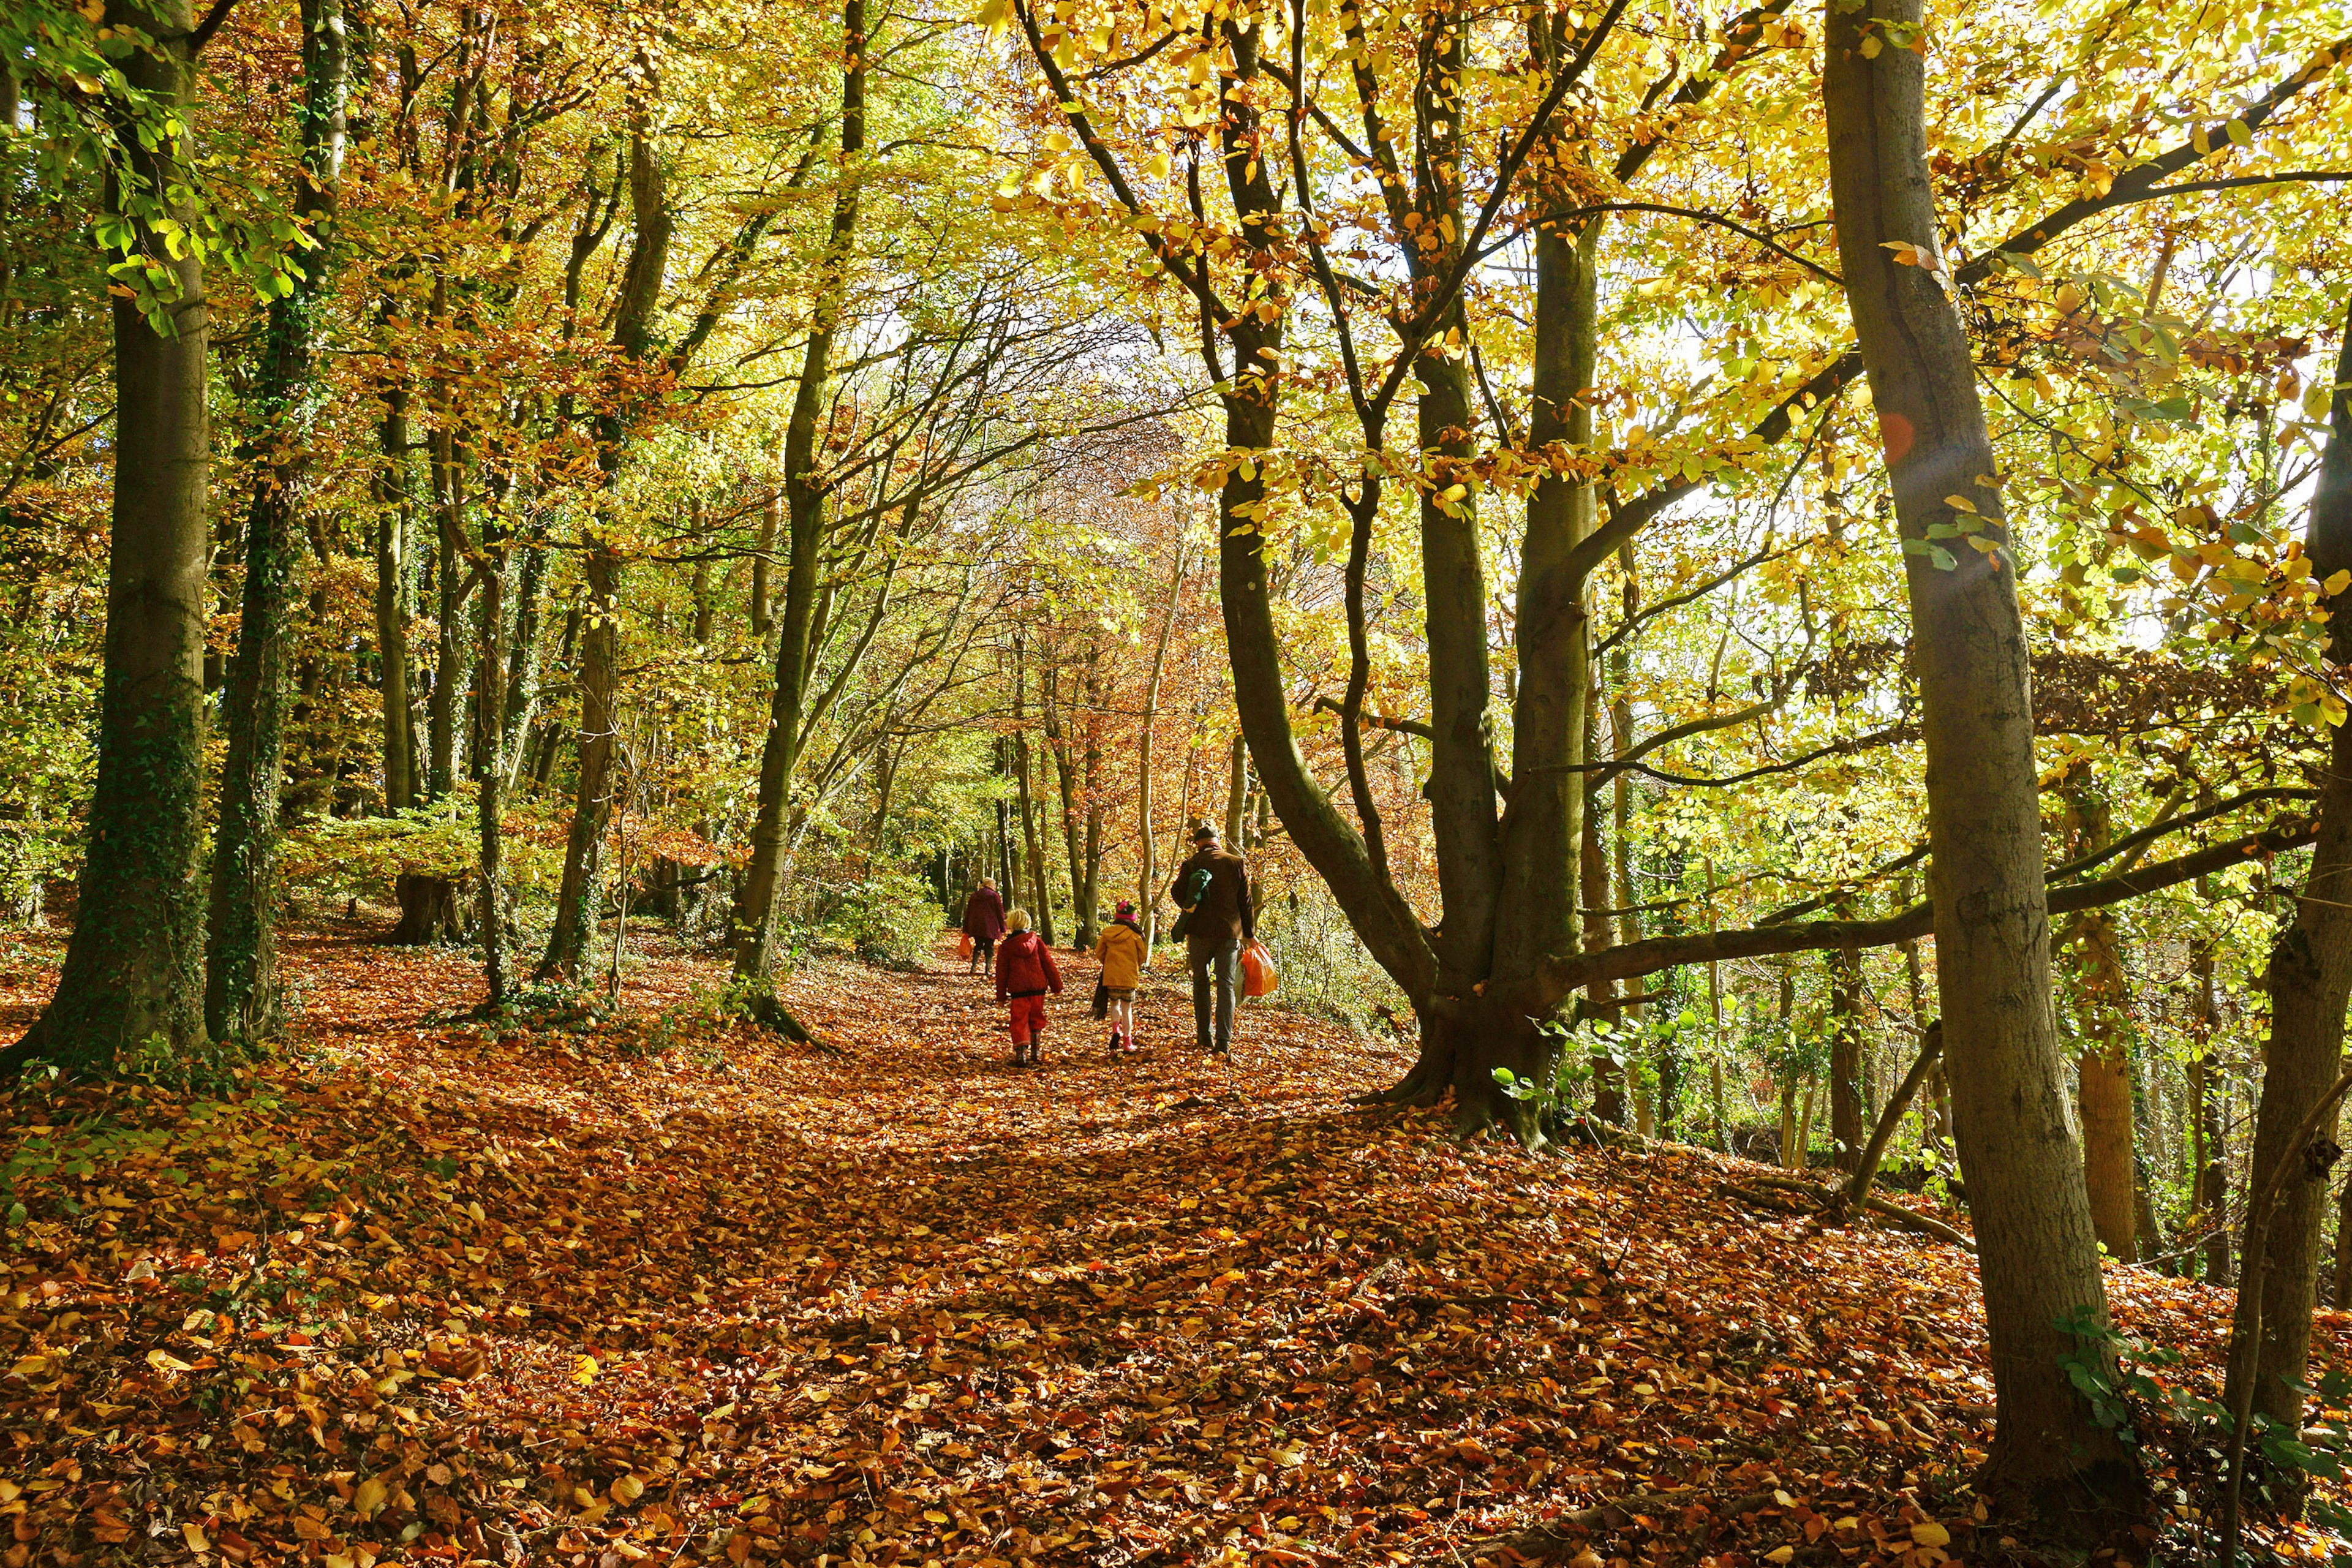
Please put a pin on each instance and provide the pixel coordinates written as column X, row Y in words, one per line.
column 544, row 1299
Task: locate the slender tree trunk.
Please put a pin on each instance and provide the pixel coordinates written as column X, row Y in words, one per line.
column 1146, row 886
column 452, row 583
column 2102, row 1075
column 523, row 663
column 2340, row 1296
column 580, row 896
column 1803, row 1152
column 2037, row 1255
column 134, row 967
column 772, row 523
column 1600, row 931
column 1715, row 1026
column 2310, row 983
column 1628, row 923
column 755, row 905
column 1236, row 790
column 491, row 773
column 2212, row 1173
column 1026, row 803
column 1846, row 1112
column 580, row 899
column 241, row 995
column 1089, row 885
column 395, row 526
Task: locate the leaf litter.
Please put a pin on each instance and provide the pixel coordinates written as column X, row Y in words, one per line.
column 651, row 1285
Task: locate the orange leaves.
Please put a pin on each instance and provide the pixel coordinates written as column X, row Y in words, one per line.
column 630, row 1306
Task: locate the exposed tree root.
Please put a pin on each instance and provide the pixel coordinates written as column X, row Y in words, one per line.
column 773, row 1015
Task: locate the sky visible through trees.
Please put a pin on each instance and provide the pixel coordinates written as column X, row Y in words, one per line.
column 1757, row 587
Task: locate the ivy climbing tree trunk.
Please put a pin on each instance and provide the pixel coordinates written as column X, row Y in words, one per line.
column 2019, row 1152
column 133, row 966
column 241, row 990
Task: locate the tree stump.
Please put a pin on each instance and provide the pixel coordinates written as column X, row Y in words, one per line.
column 433, row 908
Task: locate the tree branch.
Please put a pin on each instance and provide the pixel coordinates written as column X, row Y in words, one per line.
column 1563, row 974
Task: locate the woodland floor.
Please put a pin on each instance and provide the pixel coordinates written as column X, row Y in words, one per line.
column 657, row 1286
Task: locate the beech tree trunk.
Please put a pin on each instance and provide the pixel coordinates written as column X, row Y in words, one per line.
column 241, row 991
column 2102, row 1075
column 756, row 898
column 489, row 770
column 2212, row 1173
column 133, row 966
column 1146, row 886
column 1846, row 1109
column 2019, row 1151
column 1462, row 796
column 523, row 662
column 433, row 908
column 580, row 899
column 2310, row 983
column 395, row 526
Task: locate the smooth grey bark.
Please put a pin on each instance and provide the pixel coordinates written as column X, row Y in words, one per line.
column 2014, row 1125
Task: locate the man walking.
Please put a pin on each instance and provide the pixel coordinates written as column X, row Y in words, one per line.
column 1213, row 889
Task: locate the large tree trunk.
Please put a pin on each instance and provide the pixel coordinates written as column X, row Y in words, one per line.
column 2019, row 1151
column 134, row 967
column 2310, row 983
column 581, row 897
column 756, row 898
column 1544, row 828
column 1462, row 796
column 241, row 992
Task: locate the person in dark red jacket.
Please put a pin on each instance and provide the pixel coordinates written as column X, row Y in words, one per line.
column 983, row 922
column 1024, row 975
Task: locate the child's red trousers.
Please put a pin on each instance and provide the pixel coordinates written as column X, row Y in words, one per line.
column 1028, row 1018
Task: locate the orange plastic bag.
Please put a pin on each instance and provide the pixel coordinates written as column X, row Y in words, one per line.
column 1258, row 976
column 963, row 947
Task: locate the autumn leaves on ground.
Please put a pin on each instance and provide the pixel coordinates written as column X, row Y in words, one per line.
column 650, row 1284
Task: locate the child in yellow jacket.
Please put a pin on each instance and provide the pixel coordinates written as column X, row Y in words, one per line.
column 1124, row 958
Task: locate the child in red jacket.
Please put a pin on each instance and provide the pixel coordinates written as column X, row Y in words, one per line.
column 1025, row 973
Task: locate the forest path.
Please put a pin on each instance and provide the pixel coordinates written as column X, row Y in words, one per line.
column 654, row 1285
